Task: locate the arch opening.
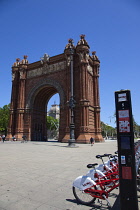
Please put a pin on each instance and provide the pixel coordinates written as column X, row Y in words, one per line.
column 42, row 96
column 53, row 117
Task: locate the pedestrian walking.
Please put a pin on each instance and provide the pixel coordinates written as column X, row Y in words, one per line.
column 24, row 139
column 14, row 138
column 91, row 141
column 3, row 138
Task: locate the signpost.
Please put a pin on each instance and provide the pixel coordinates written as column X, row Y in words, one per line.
column 126, row 153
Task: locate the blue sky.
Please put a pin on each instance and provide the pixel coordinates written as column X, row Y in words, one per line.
column 112, row 29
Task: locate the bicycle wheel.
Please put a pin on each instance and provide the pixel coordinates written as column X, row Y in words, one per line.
column 82, row 197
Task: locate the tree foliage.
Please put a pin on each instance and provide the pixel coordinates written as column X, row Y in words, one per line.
column 52, row 126
column 4, row 118
column 52, row 123
column 136, row 128
column 107, row 130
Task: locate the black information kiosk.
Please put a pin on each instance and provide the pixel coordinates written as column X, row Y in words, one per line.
column 126, row 153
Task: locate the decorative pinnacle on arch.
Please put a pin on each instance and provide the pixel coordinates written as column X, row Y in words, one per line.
column 94, row 53
column 17, row 62
column 82, row 36
column 82, row 41
column 45, row 58
column 25, row 56
column 70, row 41
column 24, row 61
column 70, row 44
column 95, row 57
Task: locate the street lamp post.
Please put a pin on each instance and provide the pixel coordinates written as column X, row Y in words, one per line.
column 71, row 142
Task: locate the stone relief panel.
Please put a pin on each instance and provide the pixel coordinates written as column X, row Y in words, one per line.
column 13, row 76
column 90, row 70
column 21, row 74
column 68, row 60
column 46, row 69
column 84, row 129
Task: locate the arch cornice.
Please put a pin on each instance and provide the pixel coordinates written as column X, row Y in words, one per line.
column 42, row 83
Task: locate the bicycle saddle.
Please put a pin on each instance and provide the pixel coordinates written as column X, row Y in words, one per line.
column 107, row 155
column 92, row 165
column 99, row 156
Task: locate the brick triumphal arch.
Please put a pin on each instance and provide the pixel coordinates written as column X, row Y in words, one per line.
column 35, row 83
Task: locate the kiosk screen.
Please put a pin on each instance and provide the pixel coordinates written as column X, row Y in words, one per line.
column 125, row 142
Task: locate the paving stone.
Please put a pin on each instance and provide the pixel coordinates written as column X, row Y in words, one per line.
column 39, row 175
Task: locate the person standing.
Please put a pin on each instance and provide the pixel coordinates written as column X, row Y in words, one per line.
column 3, row 138
column 92, row 141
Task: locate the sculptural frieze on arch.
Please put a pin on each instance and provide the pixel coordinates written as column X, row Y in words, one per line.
column 46, row 69
column 33, row 84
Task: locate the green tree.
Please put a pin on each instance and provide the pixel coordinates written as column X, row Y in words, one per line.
column 107, row 130
column 4, row 118
column 52, row 126
column 136, row 128
column 52, row 123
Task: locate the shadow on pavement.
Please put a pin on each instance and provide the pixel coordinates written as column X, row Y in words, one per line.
column 100, row 205
column 93, row 206
column 116, row 205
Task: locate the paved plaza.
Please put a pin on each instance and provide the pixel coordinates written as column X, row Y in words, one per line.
column 39, row 175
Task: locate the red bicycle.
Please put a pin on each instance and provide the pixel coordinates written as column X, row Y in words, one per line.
column 97, row 183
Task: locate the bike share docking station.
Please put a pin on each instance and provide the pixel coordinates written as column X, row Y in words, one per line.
column 126, row 153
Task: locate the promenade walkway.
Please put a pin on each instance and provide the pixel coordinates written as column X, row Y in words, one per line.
column 39, row 175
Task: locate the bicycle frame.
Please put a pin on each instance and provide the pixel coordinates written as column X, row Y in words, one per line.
column 99, row 193
column 85, row 183
column 99, row 181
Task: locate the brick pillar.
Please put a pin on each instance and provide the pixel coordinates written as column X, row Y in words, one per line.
column 17, row 110
column 64, row 129
column 96, row 64
column 82, row 50
column 14, row 97
column 21, row 103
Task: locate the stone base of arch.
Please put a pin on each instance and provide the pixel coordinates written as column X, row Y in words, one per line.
column 66, row 138
column 18, row 136
column 99, row 138
column 9, row 137
column 83, row 138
